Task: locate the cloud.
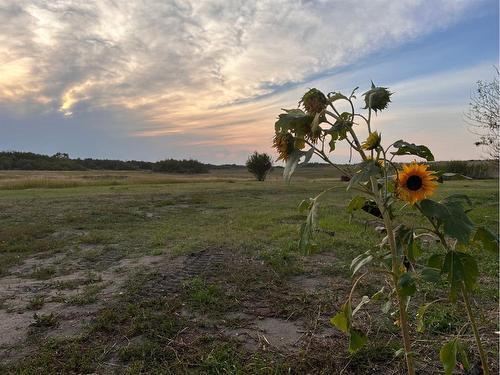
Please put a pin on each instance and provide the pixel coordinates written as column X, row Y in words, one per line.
column 200, row 72
column 167, row 56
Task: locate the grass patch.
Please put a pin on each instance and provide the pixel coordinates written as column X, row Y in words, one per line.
column 87, row 296
column 283, row 261
column 43, row 273
column 204, row 297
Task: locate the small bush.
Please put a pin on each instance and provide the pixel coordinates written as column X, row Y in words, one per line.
column 259, row 165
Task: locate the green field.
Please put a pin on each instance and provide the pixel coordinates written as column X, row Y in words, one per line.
column 130, row 272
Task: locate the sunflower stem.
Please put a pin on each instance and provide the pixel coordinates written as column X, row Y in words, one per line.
column 482, row 354
column 403, row 317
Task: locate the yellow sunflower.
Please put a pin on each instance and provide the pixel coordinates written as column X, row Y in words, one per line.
column 415, row 183
column 372, row 142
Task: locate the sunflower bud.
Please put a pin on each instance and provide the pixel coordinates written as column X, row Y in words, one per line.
column 372, row 142
column 377, row 98
column 314, row 101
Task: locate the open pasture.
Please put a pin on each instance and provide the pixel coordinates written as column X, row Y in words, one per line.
column 130, row 272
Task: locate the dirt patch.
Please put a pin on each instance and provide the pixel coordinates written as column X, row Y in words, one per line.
column 269, row 333
column 311, row 284
column 64, row 295
column 58, row 296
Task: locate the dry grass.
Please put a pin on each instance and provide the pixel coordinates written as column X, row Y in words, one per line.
column 19, row 180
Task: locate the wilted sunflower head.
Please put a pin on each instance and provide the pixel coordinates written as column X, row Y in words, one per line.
column 380, row 98
column 314, row 101
column 284, row 144
column 415, row 183
column 372, row 142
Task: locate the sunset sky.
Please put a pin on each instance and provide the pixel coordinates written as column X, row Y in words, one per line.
column 206, row 79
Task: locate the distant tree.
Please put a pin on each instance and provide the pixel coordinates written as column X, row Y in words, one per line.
column 259, row 165
column 180, row 166
column 483, row 116
column 60, row 155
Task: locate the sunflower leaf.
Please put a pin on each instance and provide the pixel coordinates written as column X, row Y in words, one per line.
column 461, row 268
column 357, row 340
column 406, row 285
column 488, row 239
column 405, row 148
column 356, row 203
column 448, row 356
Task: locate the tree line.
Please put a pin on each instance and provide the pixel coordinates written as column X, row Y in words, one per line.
column 15, row 160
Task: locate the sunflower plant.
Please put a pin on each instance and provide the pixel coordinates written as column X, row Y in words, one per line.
column 389, row 191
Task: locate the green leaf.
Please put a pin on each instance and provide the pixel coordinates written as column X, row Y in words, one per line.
column 460, row 267
column 404, row 239
column 342, row 320
column 307, row 227
column 356, row 203
column 457, row 225
column 435, row 261
column 405, row 148
column 420, row 317
column 294, row 120
column 305, row 204
column 407, row 285
column 414, row 251
column 333, row 96
column 371, row 207
column 488, row 239
column 448, row 356
column 378, row 295
column 332, row 144
column 434, row 210
column 451, row 214
column 432, row 275
column 357, row 340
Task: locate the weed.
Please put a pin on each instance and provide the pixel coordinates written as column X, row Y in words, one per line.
column 36, row 303
column 88, row 296
column 443, row 319
column 44, row 320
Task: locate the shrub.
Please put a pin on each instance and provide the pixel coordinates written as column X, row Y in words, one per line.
column 259, row 165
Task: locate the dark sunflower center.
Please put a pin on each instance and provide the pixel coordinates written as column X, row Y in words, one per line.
column 414, row 183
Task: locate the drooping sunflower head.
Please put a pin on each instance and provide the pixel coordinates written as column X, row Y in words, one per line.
column 377, row 98
column 314, row 101
column 415, row 183
column 372, row 142
column 284, row 144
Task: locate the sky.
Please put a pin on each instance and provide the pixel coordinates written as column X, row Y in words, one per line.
column 155, row 79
